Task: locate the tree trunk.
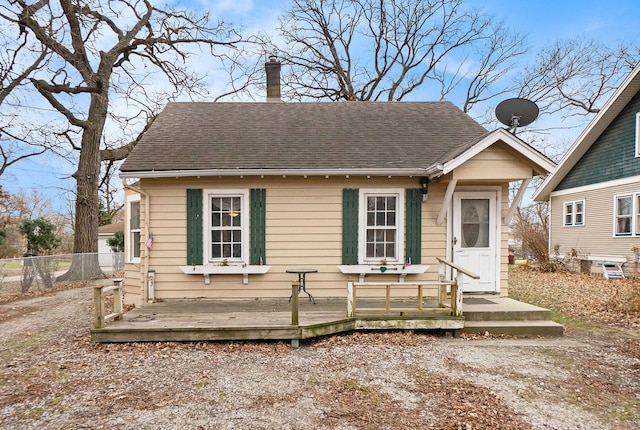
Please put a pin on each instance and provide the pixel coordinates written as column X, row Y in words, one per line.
column 85, row 263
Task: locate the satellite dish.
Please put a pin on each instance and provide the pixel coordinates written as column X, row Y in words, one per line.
column 516, row 112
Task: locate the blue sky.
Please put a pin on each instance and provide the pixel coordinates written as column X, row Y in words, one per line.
column 544, row 21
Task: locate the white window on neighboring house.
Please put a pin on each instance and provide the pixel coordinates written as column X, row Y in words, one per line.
column 638, row 134
column 574, row 213
column 133, row 229
column 381, row 226
column 623, row 218
column 226, row 226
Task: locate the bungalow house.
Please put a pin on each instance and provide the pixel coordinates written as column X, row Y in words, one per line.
column 595, row 192
column 229, row 196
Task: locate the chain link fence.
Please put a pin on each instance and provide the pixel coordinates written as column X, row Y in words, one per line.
column 38, row 273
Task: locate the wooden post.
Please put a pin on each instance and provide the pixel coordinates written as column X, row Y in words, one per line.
column 118, row 298
column 355, row 299
column 98, row 307
column 294, row 303
column 420, row 297
column 458, row 294
column 442, row 275
column 350, row 298
column 388, row 298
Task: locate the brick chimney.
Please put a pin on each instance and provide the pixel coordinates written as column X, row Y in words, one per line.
column 272, row 67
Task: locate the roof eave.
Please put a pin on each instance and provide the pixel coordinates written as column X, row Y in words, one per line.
column 273, row 172
column 625, row 92
column 543, row 164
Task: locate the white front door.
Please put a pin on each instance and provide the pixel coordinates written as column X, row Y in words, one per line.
column 475, row 244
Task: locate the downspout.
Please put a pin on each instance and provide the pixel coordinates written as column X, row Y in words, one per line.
column 146, row 251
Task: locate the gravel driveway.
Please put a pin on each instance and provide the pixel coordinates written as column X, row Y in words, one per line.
column 53, row 377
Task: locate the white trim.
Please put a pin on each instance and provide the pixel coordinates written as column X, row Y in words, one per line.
column 273, row 172
column 634, row 210
column 494, row 192
column 206, row 224
column 445, row 206
column 514, row 142
column 362, row 223
column 608, row 113
column 597, row 186
column 574, row 211
column 207, row 270
column 516, row 201
column 128, row 245
column 637, row 133
column 362, row 270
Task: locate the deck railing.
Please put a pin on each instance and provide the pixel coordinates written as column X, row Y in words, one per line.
column 437, row 288
column 99, row 291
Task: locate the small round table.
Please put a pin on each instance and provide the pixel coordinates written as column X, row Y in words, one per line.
column 302, row 273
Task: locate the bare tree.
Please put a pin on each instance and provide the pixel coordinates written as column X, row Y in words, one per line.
column 102, row 50
column 530, row 228
column 576, row 76
column 386, row 50
column 19, row 59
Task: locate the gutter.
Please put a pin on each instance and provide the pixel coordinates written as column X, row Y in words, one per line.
column 273, row 172
column 144, row 258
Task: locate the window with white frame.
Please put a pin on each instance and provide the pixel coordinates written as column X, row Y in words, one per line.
column 133, row 229
column 382, row 226
column 638, row 134
column 574, row 213
column 624, row 210
column 226, row 226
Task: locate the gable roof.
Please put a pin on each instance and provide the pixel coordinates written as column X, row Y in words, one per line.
column 109, row 229
column 541, row 164
column 611, row 109
column 189, row 139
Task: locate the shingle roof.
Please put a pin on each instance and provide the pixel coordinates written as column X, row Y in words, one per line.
column 312, row 136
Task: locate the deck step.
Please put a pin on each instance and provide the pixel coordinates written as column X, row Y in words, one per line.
column 538, row 314
column 515, row 328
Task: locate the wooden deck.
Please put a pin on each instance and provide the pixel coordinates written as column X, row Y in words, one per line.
column 205, row 320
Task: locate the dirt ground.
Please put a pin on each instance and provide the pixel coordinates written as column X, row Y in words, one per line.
column 53, row 377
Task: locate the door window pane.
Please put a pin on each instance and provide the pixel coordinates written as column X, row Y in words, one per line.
column 475, row 223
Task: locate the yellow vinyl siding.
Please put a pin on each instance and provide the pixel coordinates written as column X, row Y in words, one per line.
column 495, row 163
column 303, row 229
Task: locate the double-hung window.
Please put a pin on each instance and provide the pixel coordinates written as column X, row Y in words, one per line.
column 623, row 215
column 133, row 229
column 381, row 226
column 574, row 213
column 638, row 134
column 227, row 226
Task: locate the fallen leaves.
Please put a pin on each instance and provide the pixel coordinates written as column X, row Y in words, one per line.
column 580, row 296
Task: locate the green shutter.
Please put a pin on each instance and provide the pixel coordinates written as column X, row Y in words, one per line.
column 257, row 202
column 350, row 226
column 194, row 226
column 413, row 225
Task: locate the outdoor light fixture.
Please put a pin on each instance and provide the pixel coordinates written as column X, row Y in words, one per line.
column 424, row 187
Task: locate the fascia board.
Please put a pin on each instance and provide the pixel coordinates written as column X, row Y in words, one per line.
column 514, row 142
column 625, row 92
column 272, row 172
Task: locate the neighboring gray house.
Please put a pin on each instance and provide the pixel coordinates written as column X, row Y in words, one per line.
column 595, row 191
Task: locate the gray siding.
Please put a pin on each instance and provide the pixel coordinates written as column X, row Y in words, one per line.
column 596, row 237
column 612, row 156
